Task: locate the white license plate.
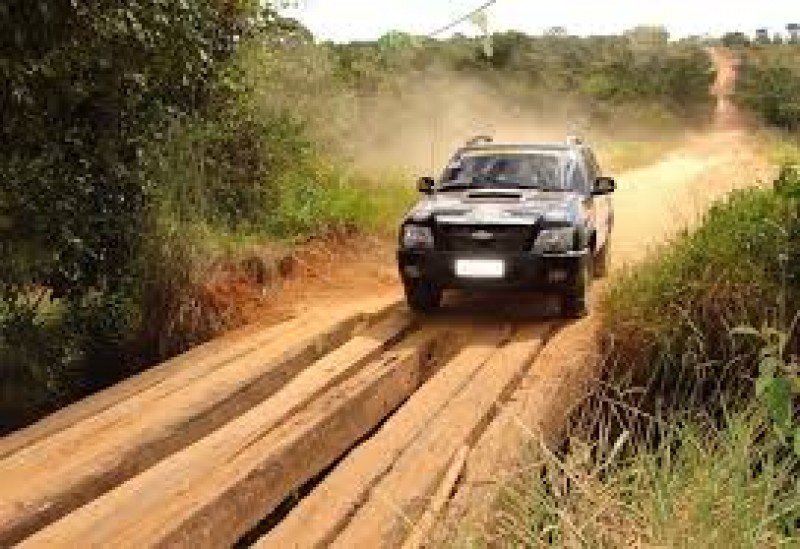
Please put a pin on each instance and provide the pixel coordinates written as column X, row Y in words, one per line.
column 480, row 268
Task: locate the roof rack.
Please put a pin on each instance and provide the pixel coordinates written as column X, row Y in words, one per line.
column 479, row 139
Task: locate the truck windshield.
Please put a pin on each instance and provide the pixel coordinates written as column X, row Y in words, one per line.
column 515, row 170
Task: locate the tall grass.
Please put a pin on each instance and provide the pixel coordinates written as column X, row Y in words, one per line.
column 695, row 484
column 669, row 321
column 212, row 209
column 692, row 438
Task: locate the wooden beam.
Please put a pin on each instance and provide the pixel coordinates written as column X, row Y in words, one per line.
column 402, row 495
column 60, row 473
column 321, row 515
column 211, row 493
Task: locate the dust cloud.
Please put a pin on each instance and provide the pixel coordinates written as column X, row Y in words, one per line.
column 416, row 129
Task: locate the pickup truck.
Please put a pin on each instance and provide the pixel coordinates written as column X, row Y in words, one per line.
column 509, row 216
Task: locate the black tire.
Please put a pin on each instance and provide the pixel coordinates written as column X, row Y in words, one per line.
column 423, row 297
column 600, row 263
column 574, row 303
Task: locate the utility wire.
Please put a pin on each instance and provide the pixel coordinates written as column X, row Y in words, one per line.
column 461, row 19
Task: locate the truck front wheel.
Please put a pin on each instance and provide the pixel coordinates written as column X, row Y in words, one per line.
column 574, row 303
column 423, row 296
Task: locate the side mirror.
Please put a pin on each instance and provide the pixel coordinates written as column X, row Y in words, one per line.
column 604, row 185
column 425, row 185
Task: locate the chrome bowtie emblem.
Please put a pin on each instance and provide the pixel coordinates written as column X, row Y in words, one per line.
column 482, row 235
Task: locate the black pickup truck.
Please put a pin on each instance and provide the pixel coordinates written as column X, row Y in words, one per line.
column 509, row 216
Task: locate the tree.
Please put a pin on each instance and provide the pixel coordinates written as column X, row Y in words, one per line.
column 89, row 84
column 794, row 32
column 647, row 37
column 557, row 31
column 737, row 38
column 395, row 40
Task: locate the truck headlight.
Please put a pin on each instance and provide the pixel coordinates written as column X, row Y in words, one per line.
column 417, row 236
column 552, row 241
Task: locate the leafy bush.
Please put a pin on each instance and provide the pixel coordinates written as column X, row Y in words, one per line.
column 58, row 350
column 769, row 84
column 669, row 321
column 774, row 93
column 88, row 86
column 225, row 170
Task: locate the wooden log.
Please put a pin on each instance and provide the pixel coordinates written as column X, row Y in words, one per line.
column 423, row 528
column 59, row 473
column 537, row 413
column 211, row 493
column 320, row 516
column 201, row 358
column 402, row 495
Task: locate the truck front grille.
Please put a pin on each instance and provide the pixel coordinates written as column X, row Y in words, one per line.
column 475, row 238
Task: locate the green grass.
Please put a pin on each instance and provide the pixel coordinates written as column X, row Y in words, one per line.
column 669, row 319
column 340, row 198
column 695, row 485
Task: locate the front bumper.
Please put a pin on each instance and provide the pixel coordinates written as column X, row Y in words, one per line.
column 528, row 271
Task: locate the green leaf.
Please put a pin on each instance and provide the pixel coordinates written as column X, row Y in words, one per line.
column 763, row 384
column 778, row 397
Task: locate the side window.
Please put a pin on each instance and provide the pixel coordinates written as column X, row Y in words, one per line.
column 578, row 181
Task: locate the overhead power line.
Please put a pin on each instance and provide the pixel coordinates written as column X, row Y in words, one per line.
column 461, row 19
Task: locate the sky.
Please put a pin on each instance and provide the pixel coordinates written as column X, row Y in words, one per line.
column 346, row 20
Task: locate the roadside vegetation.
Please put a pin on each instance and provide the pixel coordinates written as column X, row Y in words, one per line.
column 148, row 147
column 769, row 83
column 692, row 437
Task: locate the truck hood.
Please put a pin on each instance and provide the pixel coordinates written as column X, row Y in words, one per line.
column 498, row 207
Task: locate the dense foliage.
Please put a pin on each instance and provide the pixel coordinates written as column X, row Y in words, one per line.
column 769, row 84
column 86, row 86
column 671, row 320
column 537, row 71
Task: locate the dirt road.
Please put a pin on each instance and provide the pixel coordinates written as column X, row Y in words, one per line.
column 380, row 421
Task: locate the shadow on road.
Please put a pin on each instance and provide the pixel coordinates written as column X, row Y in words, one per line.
column 492, row 306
